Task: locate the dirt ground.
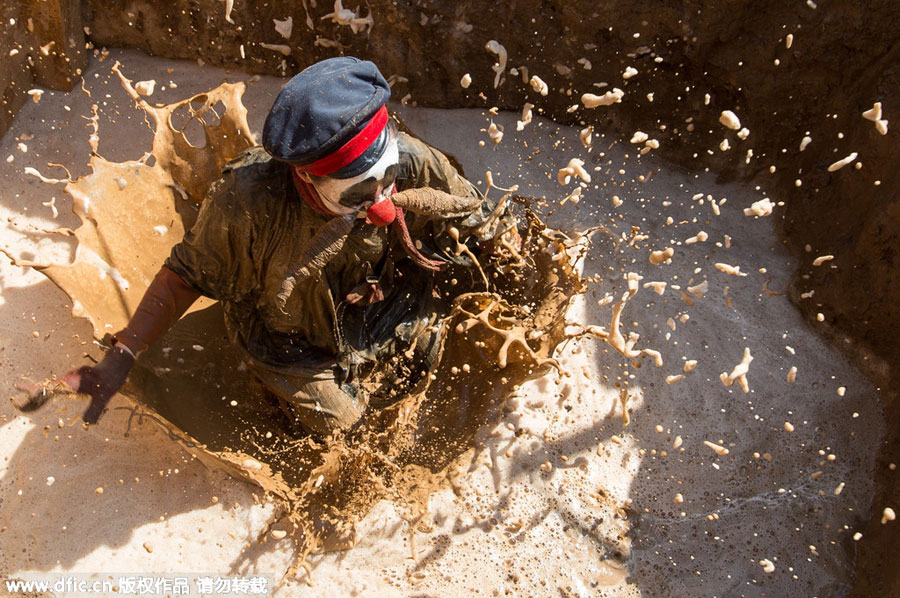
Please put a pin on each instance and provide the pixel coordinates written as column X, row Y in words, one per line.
column 560, row 496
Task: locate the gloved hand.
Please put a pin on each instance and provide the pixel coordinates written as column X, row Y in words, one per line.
column 100, row 381
column 163, row 303
column 165, row 300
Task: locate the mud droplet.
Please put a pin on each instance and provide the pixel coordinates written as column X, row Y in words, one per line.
column 718, row 448
column 145, row 88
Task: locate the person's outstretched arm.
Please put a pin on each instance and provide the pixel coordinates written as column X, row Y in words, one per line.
column 166, row 299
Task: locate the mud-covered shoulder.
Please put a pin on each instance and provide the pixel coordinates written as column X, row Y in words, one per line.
column 235, row 220
column 424, row 166
column 250, row 184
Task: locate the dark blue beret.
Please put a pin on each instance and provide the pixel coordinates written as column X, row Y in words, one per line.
column 322, row 108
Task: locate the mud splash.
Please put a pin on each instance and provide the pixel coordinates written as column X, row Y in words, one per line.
column 194, row 385
column 406, row 450
column 133, row 212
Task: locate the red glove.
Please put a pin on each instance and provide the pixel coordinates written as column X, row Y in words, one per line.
column 167, row 297
column 100, row 381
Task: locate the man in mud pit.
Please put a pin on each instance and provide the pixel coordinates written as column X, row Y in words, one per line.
column 310, row 321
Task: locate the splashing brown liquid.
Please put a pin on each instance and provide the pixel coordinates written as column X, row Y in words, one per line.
column 193, row 383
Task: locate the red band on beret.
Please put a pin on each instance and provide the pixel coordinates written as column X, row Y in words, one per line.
column 351, row 150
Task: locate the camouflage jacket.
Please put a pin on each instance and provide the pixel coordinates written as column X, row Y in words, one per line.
column 252, row 229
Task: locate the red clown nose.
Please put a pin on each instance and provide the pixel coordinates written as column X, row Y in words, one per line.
column 382, row 213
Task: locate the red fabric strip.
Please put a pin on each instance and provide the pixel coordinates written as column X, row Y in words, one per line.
column 309, row 194
column 410, row 247
column 351, row 150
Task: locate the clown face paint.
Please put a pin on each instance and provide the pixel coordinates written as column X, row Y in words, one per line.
column 354, row 195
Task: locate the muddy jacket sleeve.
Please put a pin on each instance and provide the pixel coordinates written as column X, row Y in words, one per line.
column 215, row 256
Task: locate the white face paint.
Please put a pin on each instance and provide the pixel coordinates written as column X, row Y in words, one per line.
column 354, row 195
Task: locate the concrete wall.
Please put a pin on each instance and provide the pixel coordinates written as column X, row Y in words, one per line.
column 43, row 45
